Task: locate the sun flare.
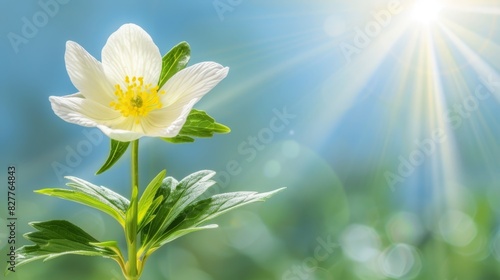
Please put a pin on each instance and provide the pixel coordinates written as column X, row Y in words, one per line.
column 426, row 11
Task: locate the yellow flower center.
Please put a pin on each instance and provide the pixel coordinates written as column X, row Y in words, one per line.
column 136, row 99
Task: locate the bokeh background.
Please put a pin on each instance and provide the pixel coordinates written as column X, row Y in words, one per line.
column 382, row 122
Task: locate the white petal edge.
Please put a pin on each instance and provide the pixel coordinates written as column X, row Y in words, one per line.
column 120, row 134
column 79, row 110
column 192, row 83
column 70, row 111
column 87, row 74
column 130, row 51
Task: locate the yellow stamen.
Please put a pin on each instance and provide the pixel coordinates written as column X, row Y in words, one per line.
column 137, row 99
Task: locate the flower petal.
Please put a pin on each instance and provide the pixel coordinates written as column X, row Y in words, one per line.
column 183, row 91
column 130, row 51
column 192, row 83
column 120, row 134
column 79, row 110
column 167, row 122
column 87, row 74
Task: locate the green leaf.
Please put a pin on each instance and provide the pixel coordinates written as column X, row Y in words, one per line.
column 57, row 238
column 114, row 247
column 179, row 139
column 148, row 197
column 116, row 151
column 98, row 197
column 177, row 234
column 111, row 245
column 131, row 224
column 198, row 124
column 180, row 210
column 207, row 209
column 174, row 61
column 176, row 196
column 150, row 213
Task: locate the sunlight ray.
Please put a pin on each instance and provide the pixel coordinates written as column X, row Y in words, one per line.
column 445, row 168
column 484, row 10
column 482, row 68
column 475, row 41
column 341, row 91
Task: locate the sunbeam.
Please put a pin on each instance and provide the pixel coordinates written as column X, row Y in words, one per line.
column 425, row 92
column 341, row 90
column 482, row 68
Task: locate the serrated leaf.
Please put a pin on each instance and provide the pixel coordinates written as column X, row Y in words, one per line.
column 148, row 196
column 181, row 213
column 56, row 238
column 116, row 151
column 198, row 124
column 176, row 196
column 174, row 61
column 97, row 197
column 207, row 209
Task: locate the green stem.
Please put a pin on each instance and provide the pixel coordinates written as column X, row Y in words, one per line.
column 131, row 226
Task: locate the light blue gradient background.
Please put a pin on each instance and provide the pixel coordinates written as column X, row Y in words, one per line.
column 352, row 123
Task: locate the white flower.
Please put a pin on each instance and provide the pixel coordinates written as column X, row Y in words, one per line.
column 120, row 96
